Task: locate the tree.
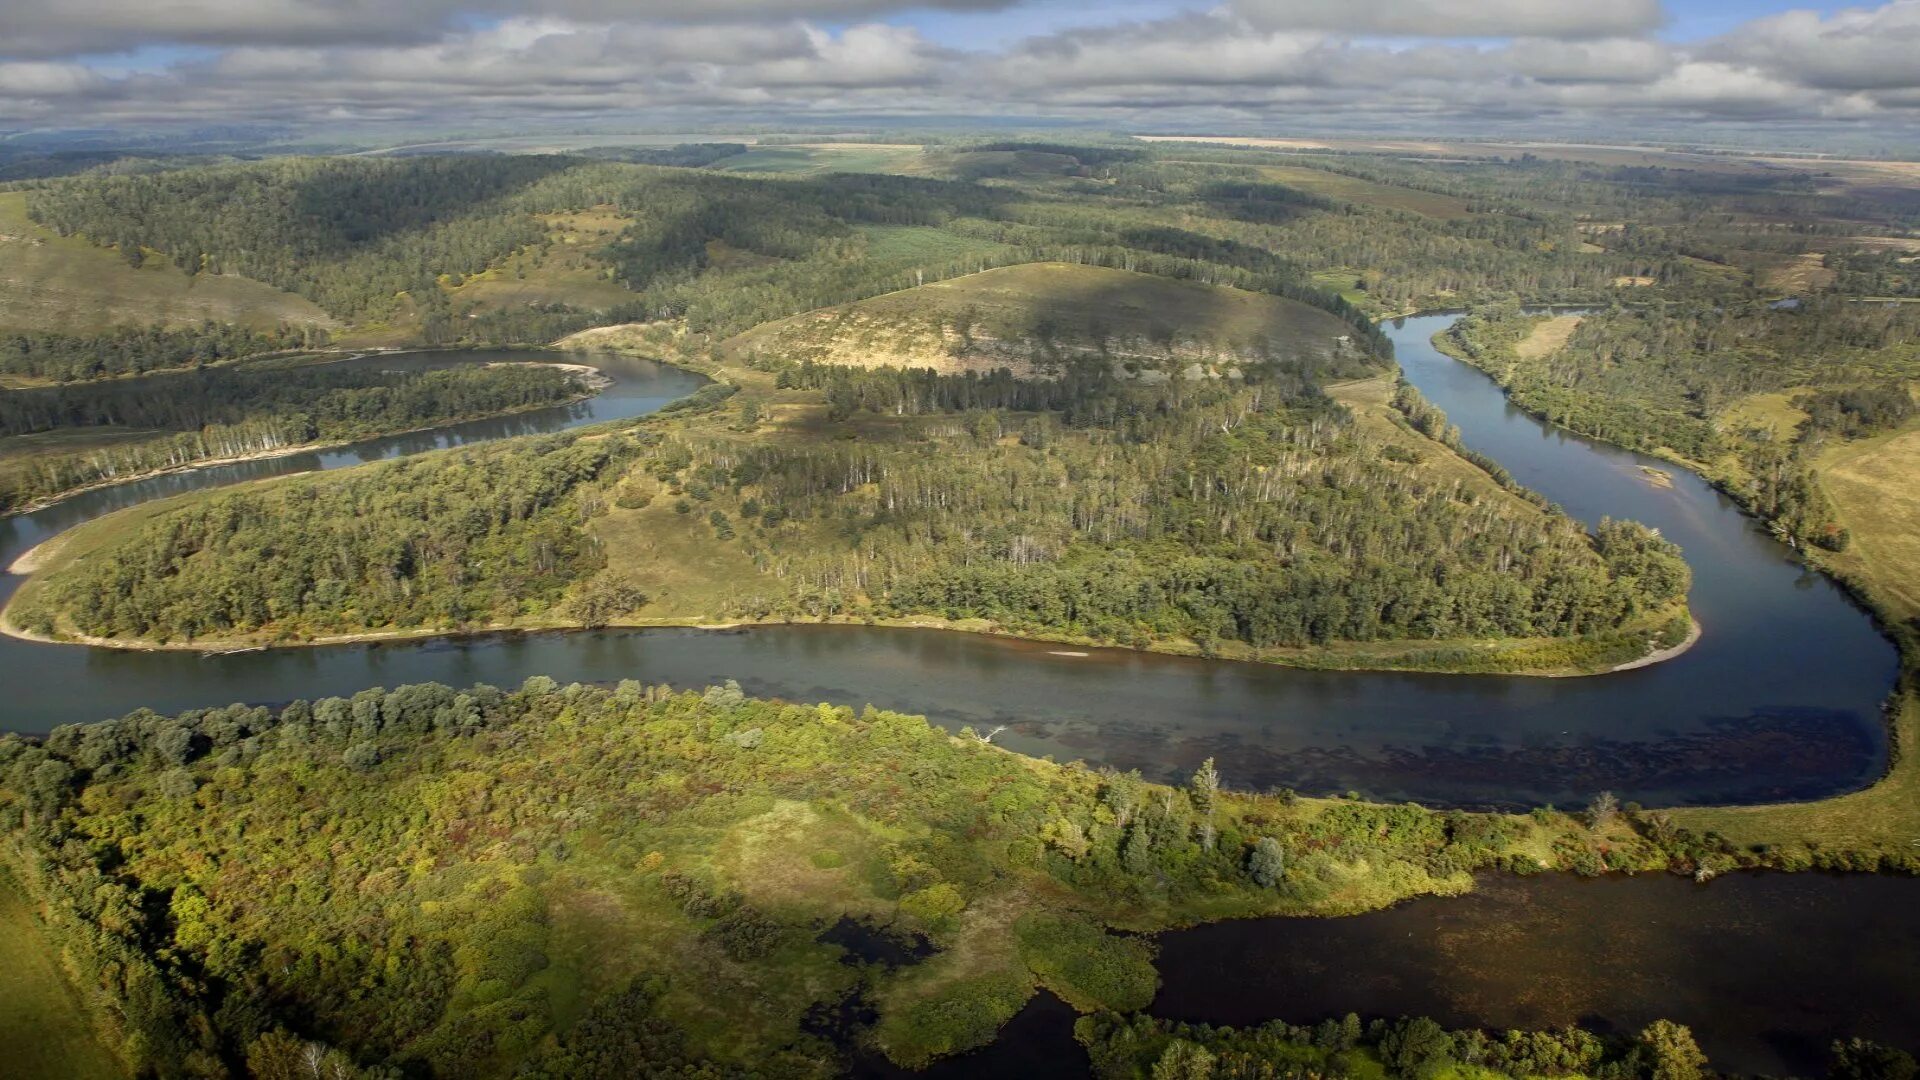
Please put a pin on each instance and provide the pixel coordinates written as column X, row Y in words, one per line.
column 1863, row 1059
column 1268, row 863
column 1670, row 1053
column 1601, row 810
column 1184, row 1060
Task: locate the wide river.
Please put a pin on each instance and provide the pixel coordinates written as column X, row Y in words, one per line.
column 1780, row 699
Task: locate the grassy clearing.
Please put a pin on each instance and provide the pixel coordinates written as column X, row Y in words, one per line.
column 1367, row 192
column 569, row 271
column 51, row 282
column 1547, row 337
column 1875, row 488
column 43, row 1023
column 1031, row 317
column 813, row 159
column 1775, row 412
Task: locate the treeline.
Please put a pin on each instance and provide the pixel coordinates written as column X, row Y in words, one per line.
column 1141, row 1047
column 443, row 540
column 227, row 413
column 1664, row 378
column 424, row 879
column 132, row 350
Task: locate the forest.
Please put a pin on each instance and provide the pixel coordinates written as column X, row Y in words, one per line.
column 444, row 541
column 575, row 880
column 1672, row 378
column 219, row 413
column 132, row 350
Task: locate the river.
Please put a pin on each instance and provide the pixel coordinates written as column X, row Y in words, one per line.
column 1780, row 699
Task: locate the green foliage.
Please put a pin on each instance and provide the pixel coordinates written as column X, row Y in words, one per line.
column 133, row 350
column 440, row 541
column 223, row 413
column 1087, row 967
column 1141, row 1047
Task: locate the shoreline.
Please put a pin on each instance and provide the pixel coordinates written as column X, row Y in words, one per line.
column 37, row 505
column 1662, row 655
column 1304, row 661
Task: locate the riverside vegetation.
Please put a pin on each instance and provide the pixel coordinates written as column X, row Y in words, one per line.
column 582, row 881
column 128, row 427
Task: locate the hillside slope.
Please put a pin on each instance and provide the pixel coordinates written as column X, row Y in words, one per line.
column 1035, row 318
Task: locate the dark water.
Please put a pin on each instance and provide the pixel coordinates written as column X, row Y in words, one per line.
column 1767, row 969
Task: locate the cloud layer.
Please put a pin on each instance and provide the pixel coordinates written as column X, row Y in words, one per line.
column 1250, row 61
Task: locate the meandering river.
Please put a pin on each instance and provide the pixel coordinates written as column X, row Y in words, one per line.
column 1780, row 699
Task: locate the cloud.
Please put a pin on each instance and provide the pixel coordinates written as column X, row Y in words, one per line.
column 1458, row 18
column 47, row 28
column 1242, row 63
column 1854, row 49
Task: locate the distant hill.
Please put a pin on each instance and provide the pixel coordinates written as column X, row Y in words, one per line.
column 1037, row 317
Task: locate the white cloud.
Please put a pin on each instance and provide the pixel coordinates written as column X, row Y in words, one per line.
column 1246, row 61
column 1458, row 18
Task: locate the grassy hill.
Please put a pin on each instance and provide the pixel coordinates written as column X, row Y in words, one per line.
column 1035, row 317
column 51, row 282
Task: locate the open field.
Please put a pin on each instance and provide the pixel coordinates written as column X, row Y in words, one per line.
column 43, row 1023
column 51, row 282
column 815, row 158
column 1035, row 316
column 1875, row 488
column 1548, row 336
column 1774, row 412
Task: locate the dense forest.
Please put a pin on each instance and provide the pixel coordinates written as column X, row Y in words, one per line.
column 233, row 412
column 571, row 881
column 134, row 350
column 1671, row 378
column 440, row 541
column 727, row 252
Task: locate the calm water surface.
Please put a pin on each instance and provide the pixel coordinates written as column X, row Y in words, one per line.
column 1768, row 969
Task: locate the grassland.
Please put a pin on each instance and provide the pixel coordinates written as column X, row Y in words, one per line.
column 1874, row 485
column 51, row 282
column 1035, row 316
column 813, row 159
column 1547, row 337
column 44, row 1028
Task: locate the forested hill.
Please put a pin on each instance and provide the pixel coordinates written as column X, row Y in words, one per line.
column 535, row 247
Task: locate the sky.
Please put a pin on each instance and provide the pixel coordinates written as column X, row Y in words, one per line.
column 1405, row 66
